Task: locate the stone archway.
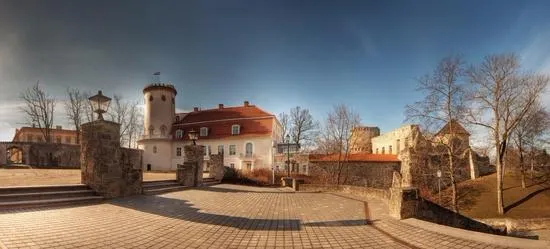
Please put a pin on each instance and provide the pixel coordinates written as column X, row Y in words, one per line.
column 15, row 155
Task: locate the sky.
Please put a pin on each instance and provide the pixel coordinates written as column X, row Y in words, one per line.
column 275, row 54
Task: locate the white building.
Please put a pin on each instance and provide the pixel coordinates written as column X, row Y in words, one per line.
column 245, row 134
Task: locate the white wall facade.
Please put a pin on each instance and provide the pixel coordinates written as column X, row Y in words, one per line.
column 394, row 141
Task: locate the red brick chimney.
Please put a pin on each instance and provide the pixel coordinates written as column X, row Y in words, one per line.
column 220, row 106
column 195, row 109
column 246, row 103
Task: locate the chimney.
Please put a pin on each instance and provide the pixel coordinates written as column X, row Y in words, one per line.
column 195, row 109
column 246, row 103
column 220, row 106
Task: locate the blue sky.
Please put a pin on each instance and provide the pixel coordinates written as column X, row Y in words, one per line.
column 276, row 54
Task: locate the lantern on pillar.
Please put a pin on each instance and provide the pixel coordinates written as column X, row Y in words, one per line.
column 193, row 135
column 100, row 104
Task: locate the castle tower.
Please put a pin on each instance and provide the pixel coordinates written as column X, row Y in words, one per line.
column 361, row 137
column 158, row 117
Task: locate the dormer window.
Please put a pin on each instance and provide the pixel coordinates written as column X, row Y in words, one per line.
column 179, row 134
column 235, row 129
column 204, row 131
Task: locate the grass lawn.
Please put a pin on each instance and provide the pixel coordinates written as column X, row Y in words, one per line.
column 478, row 199
column 26, row 177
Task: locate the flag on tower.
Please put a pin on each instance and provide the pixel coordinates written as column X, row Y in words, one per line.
column 157, row 73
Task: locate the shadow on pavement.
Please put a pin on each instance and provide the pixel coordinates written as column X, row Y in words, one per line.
column 221, row 189
column 181, row 209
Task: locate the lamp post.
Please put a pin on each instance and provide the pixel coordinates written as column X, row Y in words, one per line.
column 193, row 135
column 288, row 154
column 100, row 104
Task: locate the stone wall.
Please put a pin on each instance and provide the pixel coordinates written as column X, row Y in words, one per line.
column 44, row 154
column 107, row 168
column 365, row 174
column 381, row 194
column 298, row 160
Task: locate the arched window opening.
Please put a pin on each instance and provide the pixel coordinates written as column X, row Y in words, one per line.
column 389, row 150
column 163, row 98
column 151, row 98
column 163, row 130
column 151, row 130
column 383, row 150
column 249, row 149
column 155, row 149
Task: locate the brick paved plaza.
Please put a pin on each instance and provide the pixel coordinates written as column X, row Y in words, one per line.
column 222, row 216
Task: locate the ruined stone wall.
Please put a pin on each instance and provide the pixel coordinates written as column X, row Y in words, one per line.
column 366, row 174
column 54, row 155
column 107, row 168
column 361, row 137
column 195, row 154
column 298, row 160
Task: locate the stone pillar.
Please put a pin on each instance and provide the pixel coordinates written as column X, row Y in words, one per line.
column 474, row 170
column 404, row 201
column 216, row 167
column 3, row 153
column 193, row 161
column 107, row 168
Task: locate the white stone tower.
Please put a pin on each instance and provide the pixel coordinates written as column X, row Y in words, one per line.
column 158, row 117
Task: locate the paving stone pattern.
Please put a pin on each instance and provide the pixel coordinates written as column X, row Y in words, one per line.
column 221, row 216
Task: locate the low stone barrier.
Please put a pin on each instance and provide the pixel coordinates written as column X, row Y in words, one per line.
column 382, row 194
column 514, row 225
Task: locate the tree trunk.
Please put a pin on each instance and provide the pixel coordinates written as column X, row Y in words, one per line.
column 500, row 158
column 453, row 183
column 522, row 167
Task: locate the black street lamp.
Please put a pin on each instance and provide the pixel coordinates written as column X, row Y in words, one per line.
column 288, row 154
column 193, row 135
column 100, row 104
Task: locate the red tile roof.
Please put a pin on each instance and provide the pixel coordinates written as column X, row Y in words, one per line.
column 252, row 121
column 358, row 157
column 250, row 111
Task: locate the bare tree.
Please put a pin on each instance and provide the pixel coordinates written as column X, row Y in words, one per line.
column 336, row 134
column 443, row 104
column 302, row 125
column 87, row 107
column 526, row 134
column 119, row 112
column 284, row 119
column 39, row 109
column 135, row 124
column 502, row 96
column 74, row 108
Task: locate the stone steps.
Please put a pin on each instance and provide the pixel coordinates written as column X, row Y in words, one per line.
column 52, row 195
column 208, row 181
column 161, row 187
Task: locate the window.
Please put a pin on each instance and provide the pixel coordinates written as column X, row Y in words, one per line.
column 151, row 130
column 178, row 151
column 58, row 139
column 179, row 133
column 232, row 165
column 383, row 150
column 389, row 150
column 235, row 129
column 204, row 150
column 173, row 101
column 68, row 140
column 163, row 97
column 151, row 98
column 248, row 166
column 209, row 150
column 248, row 149
column 304, row 169
column 155, row 149
column 232, row 149
column 376, row 150
column 204, row 131
column 163, row 130
column 177, row 118
column 220, row 149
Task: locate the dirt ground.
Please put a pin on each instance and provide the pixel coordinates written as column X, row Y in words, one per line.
column 26, row 177
column 477, row 198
